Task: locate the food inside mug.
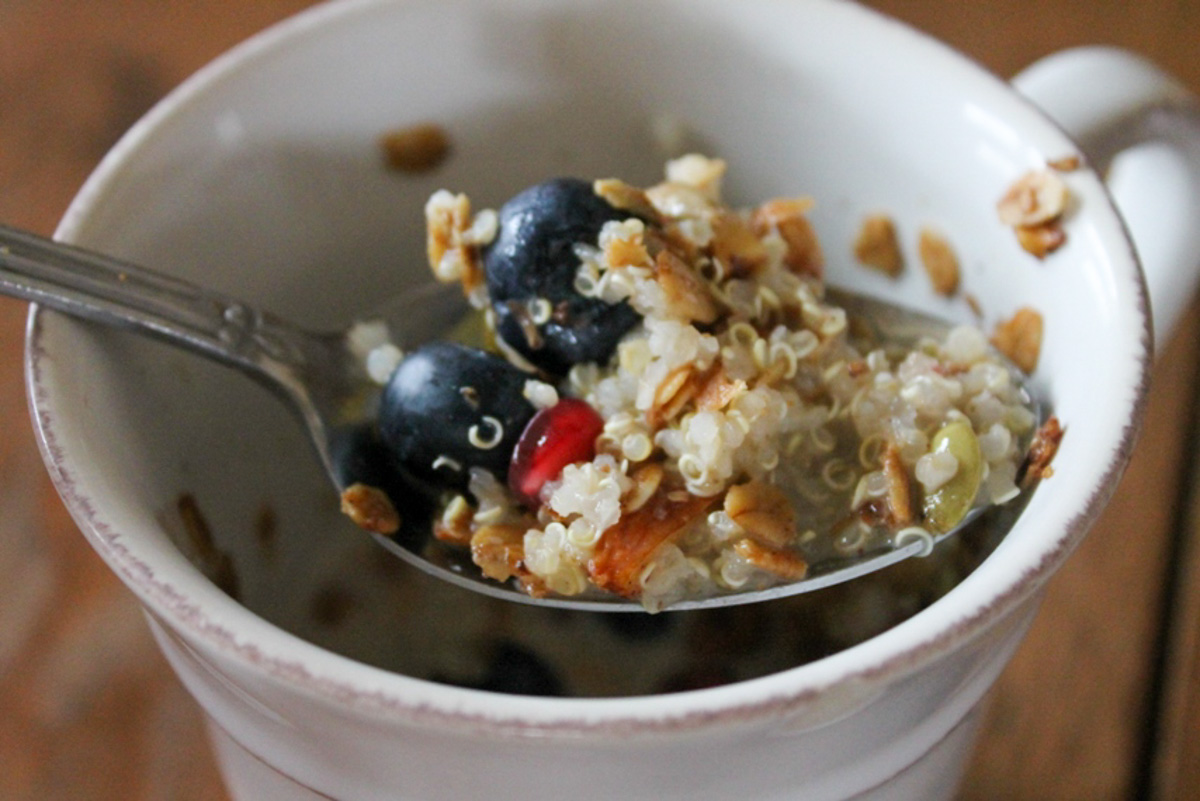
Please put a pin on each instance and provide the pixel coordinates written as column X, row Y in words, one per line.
column 663, row 402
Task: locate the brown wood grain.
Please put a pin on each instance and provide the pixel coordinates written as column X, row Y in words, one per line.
column 1174, row 764
column 89, row 710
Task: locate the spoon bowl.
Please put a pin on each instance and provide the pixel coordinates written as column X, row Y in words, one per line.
column 325, row 381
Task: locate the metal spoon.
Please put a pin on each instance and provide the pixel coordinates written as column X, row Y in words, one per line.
column 322, row 380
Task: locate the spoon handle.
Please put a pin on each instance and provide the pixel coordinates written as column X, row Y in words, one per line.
column 95, row 287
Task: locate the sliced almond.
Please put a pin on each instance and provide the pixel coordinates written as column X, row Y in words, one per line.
column 625, row 548
column 672, row 394
column 900, row 496
column 787, row 565
column 625, row 197
column 1041, row 452
column 763, row 511
column 646, row 481
column 687, row 293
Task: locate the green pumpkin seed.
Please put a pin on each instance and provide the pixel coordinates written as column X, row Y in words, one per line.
column 946, row 506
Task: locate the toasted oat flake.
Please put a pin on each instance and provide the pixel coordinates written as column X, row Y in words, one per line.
column 736, row 247
column 940, row 261
column 1042, row 452
column 1041, row 240
column 451, row 257
column 1034, row 206
column 498, row 550
column 416, row 148
column 370, row 509
column 1037, row 197
column 878, row 246
column 624, row 245
column 900, row 495
column 787, row 218
column 1020, row 338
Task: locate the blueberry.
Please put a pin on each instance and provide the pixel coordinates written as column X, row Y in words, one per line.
column 449, row 407
column 360, row 457
column 533, row 259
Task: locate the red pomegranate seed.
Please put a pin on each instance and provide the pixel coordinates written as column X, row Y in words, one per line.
column 555, row 437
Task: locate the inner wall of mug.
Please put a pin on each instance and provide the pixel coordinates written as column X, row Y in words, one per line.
column 263, row 178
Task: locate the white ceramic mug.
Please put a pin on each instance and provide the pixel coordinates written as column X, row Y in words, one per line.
column 261, row 176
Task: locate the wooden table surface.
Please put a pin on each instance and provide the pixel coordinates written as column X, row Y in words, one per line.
column 1101, row 702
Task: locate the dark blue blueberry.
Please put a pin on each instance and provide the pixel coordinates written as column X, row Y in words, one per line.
column 449, row 407
column 533, row 258
column 360, row 457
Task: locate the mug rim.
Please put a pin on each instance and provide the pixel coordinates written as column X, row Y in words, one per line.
column 191, row 606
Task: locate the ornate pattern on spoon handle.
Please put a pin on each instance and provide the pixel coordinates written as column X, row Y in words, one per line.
column 109, row 291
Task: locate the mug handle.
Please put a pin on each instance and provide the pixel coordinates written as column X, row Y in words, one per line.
column 1140, row 128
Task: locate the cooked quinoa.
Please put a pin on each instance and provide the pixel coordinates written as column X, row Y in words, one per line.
column 749, row 430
